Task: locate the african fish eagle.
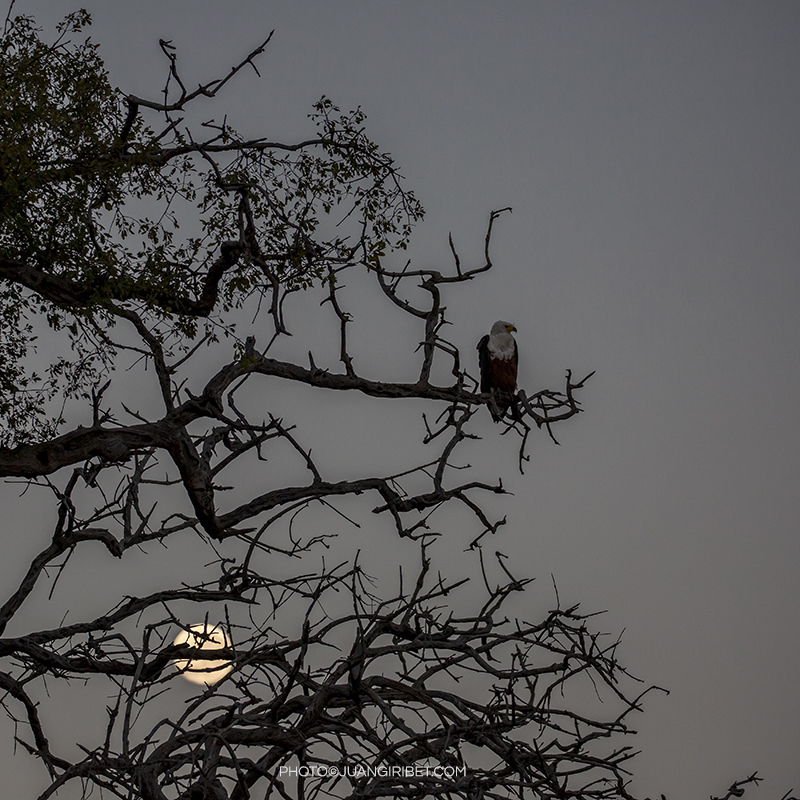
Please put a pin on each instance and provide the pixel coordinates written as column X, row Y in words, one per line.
column 497, row 357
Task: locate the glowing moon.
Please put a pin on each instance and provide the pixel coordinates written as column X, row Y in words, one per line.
column 200, row 670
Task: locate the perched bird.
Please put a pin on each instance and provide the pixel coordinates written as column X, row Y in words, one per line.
column 497, row 357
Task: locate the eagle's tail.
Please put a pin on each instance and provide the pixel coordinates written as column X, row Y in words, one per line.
column 500, row 402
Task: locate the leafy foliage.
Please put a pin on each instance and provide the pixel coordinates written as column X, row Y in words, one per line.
column 102, row 213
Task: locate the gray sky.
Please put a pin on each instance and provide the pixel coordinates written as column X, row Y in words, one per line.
column 651, row 153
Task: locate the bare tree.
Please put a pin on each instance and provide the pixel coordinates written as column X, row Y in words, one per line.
column 139, row 246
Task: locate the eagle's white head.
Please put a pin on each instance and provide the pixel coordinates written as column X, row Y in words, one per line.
column 501, row 342
column 501, row 327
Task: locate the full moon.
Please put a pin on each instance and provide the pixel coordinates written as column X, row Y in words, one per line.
column 200, row 670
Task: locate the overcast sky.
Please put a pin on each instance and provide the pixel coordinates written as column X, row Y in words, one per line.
column 651, row 154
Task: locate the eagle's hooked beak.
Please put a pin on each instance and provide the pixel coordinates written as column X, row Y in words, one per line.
column 510, row 328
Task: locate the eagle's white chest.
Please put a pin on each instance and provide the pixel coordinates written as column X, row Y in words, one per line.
column 501, row 346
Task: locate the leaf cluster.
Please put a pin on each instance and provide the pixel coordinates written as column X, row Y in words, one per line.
column 106, row 213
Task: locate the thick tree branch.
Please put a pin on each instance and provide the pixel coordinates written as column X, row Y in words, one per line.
column 69, row 293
